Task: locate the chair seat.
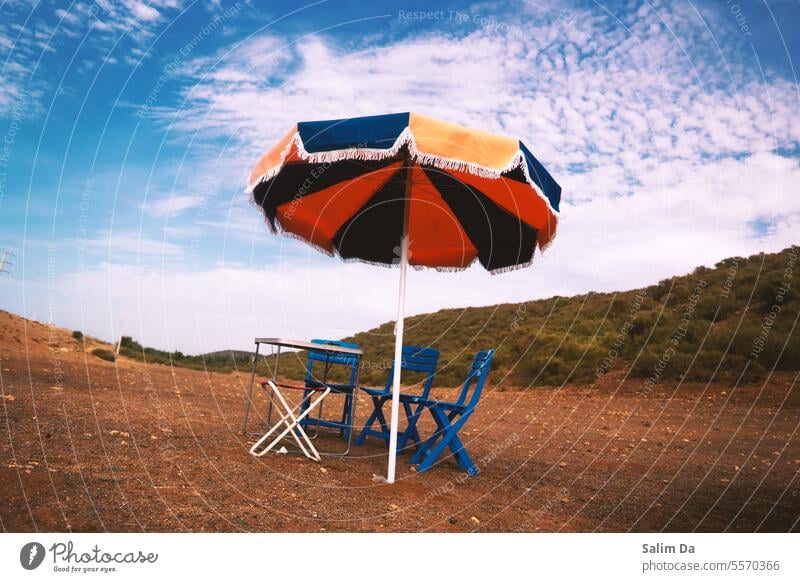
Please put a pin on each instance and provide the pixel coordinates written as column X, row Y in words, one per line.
column 377, row 391
column 380, row 396
column 388, row 394
column 316, row 385
column 319, row 388
column 443, row 404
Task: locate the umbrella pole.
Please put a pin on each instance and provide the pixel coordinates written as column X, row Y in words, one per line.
column 398, row 342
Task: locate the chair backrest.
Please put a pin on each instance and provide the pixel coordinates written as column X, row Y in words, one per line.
column 476, row 378
column 416, row 359
column 328, row 359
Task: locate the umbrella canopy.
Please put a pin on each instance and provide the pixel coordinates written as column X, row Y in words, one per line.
column 341, row 185
column 408, row 189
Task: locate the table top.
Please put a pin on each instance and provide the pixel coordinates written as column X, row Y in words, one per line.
column 307, row 345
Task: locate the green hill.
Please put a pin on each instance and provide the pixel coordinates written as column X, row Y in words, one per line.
column 737, row 319
column 732, row 323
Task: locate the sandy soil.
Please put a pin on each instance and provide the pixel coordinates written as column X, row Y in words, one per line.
column 89, row 445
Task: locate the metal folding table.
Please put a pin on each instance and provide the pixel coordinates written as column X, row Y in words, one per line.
column 300, row 345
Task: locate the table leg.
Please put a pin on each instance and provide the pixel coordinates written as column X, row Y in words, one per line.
column 250, row 391
column 325, row 382
column 353, row 400
column 274, row 380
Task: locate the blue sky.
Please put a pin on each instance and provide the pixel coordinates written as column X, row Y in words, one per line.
column 129, row 129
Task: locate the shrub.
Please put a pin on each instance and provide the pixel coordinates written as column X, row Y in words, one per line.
column 790, row 358
column 104, row 354
column 128, row 342
column 77, row 335
column 658, row 292
column 708, row 307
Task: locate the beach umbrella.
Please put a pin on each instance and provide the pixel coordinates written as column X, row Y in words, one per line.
column 407, row 189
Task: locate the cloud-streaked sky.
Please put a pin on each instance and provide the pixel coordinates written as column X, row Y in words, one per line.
column 129, row 129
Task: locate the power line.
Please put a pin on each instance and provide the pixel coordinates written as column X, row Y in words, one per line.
column 5, row 263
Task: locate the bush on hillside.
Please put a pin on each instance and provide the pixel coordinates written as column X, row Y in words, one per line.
column 104, row 354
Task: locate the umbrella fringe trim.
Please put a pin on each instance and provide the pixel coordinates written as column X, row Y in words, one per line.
column 278, row 229
column 415, row 267
column 328, row 253
column 406, row 138
column 282, row 231
column 544, row 247
column 510, row 268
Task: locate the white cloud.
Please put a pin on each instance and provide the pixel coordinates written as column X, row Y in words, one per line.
column 172, row 205
column 181, row 232
column 130, row 243
column 627, row 101
column 142, row 11
column 28, row 30
column 621, row 105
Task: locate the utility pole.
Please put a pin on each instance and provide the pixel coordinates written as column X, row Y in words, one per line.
column 4, row 260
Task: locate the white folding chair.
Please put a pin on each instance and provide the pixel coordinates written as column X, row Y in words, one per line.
column 291, row 424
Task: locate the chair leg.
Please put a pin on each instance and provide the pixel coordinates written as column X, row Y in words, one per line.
column 310, row 421
column 284, row 420
column 411, row 432
column 437, row 434
column 292, row 423
column 348, row 414
column 351, row 415
column 381, row 417
column 343, row 419
column 462, row 457
column 367, row 425
column 377, row 415
column 347, row 411
column 457, row 447
column 450, row 439
column 435, row 445
column 376, row 405
column 311, row 453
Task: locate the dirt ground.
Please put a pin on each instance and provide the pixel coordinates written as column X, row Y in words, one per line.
column 89, row 445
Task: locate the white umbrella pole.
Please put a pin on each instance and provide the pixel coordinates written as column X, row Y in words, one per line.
column 398, row 351
column 398, row 333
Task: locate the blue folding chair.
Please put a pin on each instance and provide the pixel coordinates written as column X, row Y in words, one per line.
column 412, row 359
column 450, row 417
column 315, row 381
